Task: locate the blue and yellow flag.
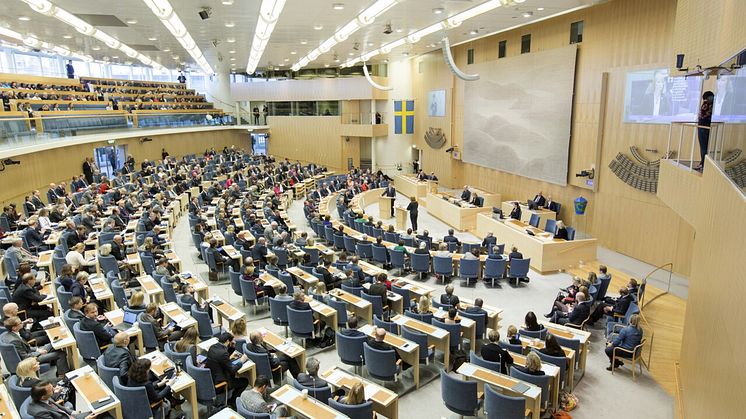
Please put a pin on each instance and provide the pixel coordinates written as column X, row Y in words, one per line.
column 404, row 116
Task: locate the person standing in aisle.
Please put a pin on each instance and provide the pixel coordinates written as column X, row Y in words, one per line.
column 413, row 208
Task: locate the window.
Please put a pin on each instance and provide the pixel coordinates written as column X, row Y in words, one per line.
column 470, row 56
column 120, row 72
column 306, row 108
column 526, row 44
column 27, row 64
column 329, row 108
column 197, row 82
column 279, row 109
column 576, row 32
column 501, row 47
column 51, row 67
column 97, row 70
column 138, row 73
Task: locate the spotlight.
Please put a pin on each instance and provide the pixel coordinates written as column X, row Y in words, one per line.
column 10, row 162
column 205, row 13
column 586, row 173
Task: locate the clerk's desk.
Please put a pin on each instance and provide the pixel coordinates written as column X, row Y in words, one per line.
column 459, row 217
column 409, row 186
column 547, row 254
column 490, row 199
column 543, row 213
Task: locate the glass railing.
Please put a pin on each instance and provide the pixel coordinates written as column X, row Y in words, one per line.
column 17, row 129
column 364, row 118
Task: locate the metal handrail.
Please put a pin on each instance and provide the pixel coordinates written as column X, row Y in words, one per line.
column 715, row 147
column 641, row 298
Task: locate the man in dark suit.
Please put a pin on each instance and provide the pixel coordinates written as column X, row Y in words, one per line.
column 88, row 170
column 466, row 194
column 117, row 244
column 379, row 288
column 515, row 254
column 51, row 194
column 578, row 314
column 551, row 205
column 44, row 354
column 539, row 200
column 494, row 353
column 351, row 330
column 310, row 378
column 329, row 279
column 299, row 302
column 28, row 298
column 91, row 323
column 451, row 238
column 117, row 355
column 42, row 406
column 477, row 309
column 256, row 345
column 379, row 342
column 391, row 193
column 224, row 369
column 619, row 306
column 79, row 236
column 33, row 237
column 449, row 298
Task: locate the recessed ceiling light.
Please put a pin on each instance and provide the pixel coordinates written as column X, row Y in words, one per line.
column 405, row 53
column 473, row 32
column 318, row 27
column 293, row 52
column 152, row 38
column 399, row 30
column 336, row 60
column 67, row 36
column 233, row 58
column 231, row 40
column 233, row 51
column 166, row 49
column 131, row 21
column 230, row 24
column 539, row 8
column 438, row 10
column 228, row 2
column 326, row 65
column 370, row 44
column 350, row 54
column 96, row 48
column 338, row 6
column 303, row 42
column 175, row 57
column 286, row 59
column 24, row 18
column 528, row 14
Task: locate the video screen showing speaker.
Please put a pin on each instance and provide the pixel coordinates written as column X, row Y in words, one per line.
column 730, row 98
column 654, row 97
column 436, row 103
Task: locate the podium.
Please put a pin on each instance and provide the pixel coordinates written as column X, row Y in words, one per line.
column 385, row 205
column 401, row 217
column 432, row 186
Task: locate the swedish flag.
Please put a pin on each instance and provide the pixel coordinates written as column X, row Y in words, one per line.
column 404, row 116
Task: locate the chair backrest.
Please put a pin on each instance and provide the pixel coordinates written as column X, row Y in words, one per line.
column 425, row 317
column 380, row 254
column 468, row 268
column 479, row 320
column 452, row 246
column 418, row 338
column 551, row 226
column 64, row 297
column 501, row 406
column 248, row 292
column 542, row 381
column 517, row 347
column 69, row 321
column 149, row 339
column 519, row 268
column 390, row 237
column 202, row 376
column 168, row 290
column 300, row 322
column 381, row 365
column 570, row 233
column 443, row 265
column 604, row 287
column 107, row 374
column 357, row 291
column 58, row 262
column 478, row 360
column 390, row 327
column 341, row 308
column 559, row 361
column 375, row 301
column 148, row 263
column 235, row 280
column 278, row 311
column 534, row 220
column 169, row 349
column 364, row 250
column 438, row 304
column 494, row 268
column 261, row 360
column 135, row 404
column 108, row 264
column 10, row 356
column 453, row 329
column 282, row 255
column 350, row 348
column 405, row 295
column 87, row 344
column 321, row 394
column 17, row 392
column 396, row 258
column 353, row 411
column 287, row 279
column 119, row 296
column 458, row 395
column 573, row 344
column 420, row 262
column 203, row 322
column 244, row 413
column 538, row 334
column 23, row 409
column 349, row 243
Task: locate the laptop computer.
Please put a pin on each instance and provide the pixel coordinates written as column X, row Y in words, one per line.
column 130, row 318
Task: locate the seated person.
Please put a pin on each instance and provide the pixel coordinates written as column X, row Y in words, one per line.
column 451, row 238
column 378, row 342
column 452, row 317
column 282, row 293
column 139, row 375
column 329, row 279
column 249, row 274
column 30, row 330
column 530, row 323
column 256, row 344
column 618, row 306
column 628, row 338
column 422, row 249
column 494, row 353
column 422, row 306
column 43, row 354
column 93, row 322
column 117, row 355
column 76, row 308
column 561, row 231
column 188, row 342
column 442, row 251
column 43, row 406
column 379, row 288
column 219, row 361
column 310, row 378
column 255, row 399
column 299, row 302
column 577, row 316
column 533, row 365
column 515, row 254
column 477, row 309
column 513, row 338
column 170, row 333
column 552, row 347
column 75, row 258
column 448, row 298
column 66, row 277
column 28, row 297
column 137, row 301
column 351, row 330
column 239, row 330
column 356, row 395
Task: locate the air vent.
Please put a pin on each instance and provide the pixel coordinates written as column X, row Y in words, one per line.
column 102, row 20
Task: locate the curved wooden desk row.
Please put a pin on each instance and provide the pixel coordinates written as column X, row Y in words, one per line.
column 547, row 254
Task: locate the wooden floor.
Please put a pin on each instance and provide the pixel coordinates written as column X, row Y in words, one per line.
column 665, row 316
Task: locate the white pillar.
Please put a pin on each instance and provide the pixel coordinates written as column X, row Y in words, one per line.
column 219, row 88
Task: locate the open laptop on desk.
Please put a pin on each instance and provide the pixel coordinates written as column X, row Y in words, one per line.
column 128, row 320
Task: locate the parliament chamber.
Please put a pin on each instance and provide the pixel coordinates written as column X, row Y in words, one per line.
column 372, row 209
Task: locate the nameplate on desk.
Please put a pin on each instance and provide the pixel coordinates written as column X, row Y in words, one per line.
column 520, row 387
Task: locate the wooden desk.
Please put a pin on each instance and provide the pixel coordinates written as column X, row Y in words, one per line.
column 62, row 338
column 527, row 342
column 133, row 260
column 184, row 385
column 51, row 300
column 385, row 207
column 89, row 389
column 493, row 313
column 468, row 326
column 306, row 279
column 550, row 370
column 458, row 217
column 409, row 351
column 173, row 259
column 232, row 253
column 172, row 311
column 505, row 383
column 200, row 288
column 288, row 347
column 437, row 337
column 226, row 311
column 547, row 254
column 101, row 291
column 8, row 409
column 226, row 413
column 409, row 186
column 152, row 289
column 572, row 333
column 305, row 406
column 45, row 261
column 416, row 290
column 544, row 214
column 393, row 300
column 116, row 317
column 324, row 312
column 363, row 309
column 371, row 269
column 385, row 401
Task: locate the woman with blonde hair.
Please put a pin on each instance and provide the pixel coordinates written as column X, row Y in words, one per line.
column 137, row 301
column 513, row 335
column 423, row 305
column 75, row 258
column 533, row 365
column 28, row 372
column 627, row 339
column 356, row 395
column 238, row 329
column 188, row 342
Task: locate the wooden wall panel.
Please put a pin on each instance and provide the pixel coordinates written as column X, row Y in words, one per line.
column 315, row 89
column 619, row 36
column 39, row 169
column 308, row 139
column 708, row 32
column 712, row 367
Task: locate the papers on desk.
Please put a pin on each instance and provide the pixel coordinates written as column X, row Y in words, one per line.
column 400, row 320
column 369, row 390
column 367, row 329
column 467, row 369
column 79, row 372
column 287, row 396
column 335, row 376
column 287, row 347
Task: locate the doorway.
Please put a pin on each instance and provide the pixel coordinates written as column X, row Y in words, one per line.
column 416, row 160
column 259, row 144
column 110, row 159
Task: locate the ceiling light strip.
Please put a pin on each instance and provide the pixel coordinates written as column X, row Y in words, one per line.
column 163, row 10
column 448, row 23
column 33, row 42
column 366, row 17
column 269, row 13
column 48, row 8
